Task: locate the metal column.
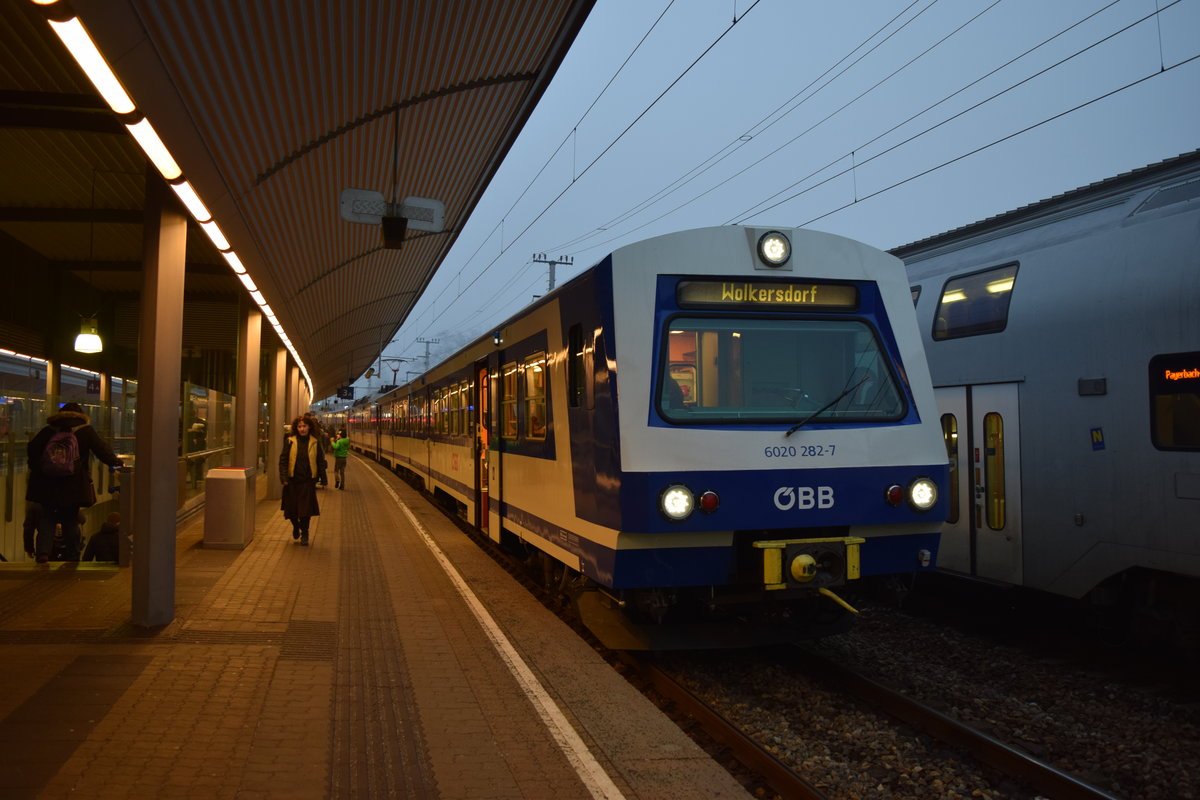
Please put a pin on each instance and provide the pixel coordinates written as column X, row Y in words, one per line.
column 279, row 417
column 161, row 342
column 245, row 433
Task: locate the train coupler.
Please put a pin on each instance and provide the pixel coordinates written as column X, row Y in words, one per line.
column 810, row 563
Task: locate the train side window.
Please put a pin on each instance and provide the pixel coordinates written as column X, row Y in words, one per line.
column 575, row 370
column 916, row 294
column 950, row 437
column 975, row 304
column 508, row 401
column 460, row 409
column 535, row 396
column 993, row 470
column 468, row 408
column 1175, row 401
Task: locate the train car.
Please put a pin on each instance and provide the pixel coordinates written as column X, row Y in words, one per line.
column 1064, row 343
column 702, row 438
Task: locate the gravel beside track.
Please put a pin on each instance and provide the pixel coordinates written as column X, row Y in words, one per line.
column 1128, row 737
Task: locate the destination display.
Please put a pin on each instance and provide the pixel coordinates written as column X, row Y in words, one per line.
column 763, row 295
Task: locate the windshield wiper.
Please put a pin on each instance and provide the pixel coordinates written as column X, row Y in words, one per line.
column 824, row 408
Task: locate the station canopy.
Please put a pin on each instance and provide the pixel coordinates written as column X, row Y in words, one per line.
column 273, row 109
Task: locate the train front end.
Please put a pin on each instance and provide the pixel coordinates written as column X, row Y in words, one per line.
column 778, row 437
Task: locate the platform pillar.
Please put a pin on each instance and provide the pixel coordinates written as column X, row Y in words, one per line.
column 161, row 343
column 279, row 417
column 245, row 430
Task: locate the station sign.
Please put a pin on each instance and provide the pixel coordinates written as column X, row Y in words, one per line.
column 368, row 207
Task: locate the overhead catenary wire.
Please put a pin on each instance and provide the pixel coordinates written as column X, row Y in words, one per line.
column 757, row 210
column 767, row 121
column 610, row 145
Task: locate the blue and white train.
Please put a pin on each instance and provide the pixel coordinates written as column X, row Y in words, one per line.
column 702, row 438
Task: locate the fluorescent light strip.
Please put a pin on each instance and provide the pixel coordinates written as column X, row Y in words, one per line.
column 155, row 150
column 93, row 64
column 195, row 206
column 214, row 233
column 235, row 263
column 77, row 41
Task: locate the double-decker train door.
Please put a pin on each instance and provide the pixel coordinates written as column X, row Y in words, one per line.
column 982, row 534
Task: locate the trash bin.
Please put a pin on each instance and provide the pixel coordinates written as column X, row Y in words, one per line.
column 229, row 507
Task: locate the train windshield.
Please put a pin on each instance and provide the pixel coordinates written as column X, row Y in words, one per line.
column 761, row 370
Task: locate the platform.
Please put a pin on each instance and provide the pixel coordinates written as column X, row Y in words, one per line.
column 390, row 658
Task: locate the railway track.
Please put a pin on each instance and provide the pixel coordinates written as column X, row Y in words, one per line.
column 758, row 768
column 1014, row 764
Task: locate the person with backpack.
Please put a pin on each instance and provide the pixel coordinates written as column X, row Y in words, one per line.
column 60, row 475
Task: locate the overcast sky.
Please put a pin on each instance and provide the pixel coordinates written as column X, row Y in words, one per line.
column 883, row 120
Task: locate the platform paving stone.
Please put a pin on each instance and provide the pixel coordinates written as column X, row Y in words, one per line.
column 351, row 668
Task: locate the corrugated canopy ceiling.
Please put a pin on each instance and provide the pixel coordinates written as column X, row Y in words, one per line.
column 272, row 109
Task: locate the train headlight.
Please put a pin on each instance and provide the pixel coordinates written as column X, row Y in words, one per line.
column 677, row 502
column 774, row 249
column 922, row 494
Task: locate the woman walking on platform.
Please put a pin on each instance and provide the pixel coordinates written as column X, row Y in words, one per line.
column 301, row 466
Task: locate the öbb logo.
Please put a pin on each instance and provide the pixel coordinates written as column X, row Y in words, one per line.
column 803, row 498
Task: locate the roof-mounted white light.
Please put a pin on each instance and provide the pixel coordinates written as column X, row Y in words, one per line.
column 774, row 249
column 83, row 49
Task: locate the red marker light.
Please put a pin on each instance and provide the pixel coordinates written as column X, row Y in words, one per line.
column 709, row 502
column 894, row 495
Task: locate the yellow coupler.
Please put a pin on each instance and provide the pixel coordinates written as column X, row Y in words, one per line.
column 803, row 568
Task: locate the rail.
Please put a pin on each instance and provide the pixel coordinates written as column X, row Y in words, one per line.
column 1043, row 777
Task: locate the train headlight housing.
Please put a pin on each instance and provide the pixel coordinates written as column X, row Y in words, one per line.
column 922, row 494
column 677, row 502
column 774, row 249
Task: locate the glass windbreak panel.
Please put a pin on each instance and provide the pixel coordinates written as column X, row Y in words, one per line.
column 950, row 437
column 535, row 396
column 762, row 370
column 993, row 470
column 1175, row 401
column 975, row 304
column 916, row 294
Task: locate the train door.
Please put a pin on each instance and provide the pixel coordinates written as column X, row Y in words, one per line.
column 376, row 411
column 482, row 423
column 982, row 535
column 500, row 410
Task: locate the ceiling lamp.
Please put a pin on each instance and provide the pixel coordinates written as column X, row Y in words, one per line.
column 88, row 340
